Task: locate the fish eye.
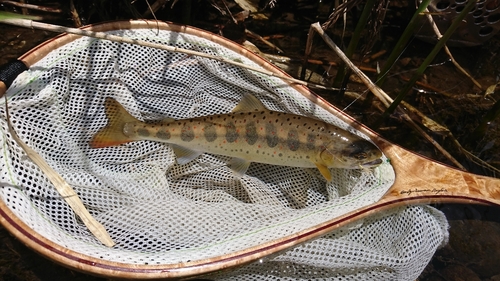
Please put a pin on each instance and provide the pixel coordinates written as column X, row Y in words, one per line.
column 361, row 156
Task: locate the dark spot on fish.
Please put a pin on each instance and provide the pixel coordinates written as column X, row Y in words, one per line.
column 231, row 133
column 143, row 132
column 162, row 134
column 280, row 155
column 271, row 136
column 187, row 134
column 210, row 133
column 293, row 140
column 251, row 135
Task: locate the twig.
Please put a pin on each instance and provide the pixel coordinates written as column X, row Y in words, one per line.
column 114, row 38
column 379, row 93
column 257, row 36
column 154, row 8
column 74, row 14
column 32, row 7
column 457, row 65
column 62, row 187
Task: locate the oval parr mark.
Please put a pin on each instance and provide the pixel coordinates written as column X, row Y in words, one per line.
column 271, row 136
column 251, row 135
column 164, row 135
column 231, row 133
column 292, row 140
column 143, row 132
column 311, row 141
column 210, row 133
column 187, row 134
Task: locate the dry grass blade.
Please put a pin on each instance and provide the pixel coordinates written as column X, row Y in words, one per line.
column 63, row 188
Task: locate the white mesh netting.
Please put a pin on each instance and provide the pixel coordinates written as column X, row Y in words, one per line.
column 159, row 212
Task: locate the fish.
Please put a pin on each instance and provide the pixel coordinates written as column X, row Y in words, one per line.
column 250, row 133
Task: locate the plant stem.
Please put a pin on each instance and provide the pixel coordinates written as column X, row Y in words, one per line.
column 353, row 43
column 402, row 42
column 456, row 22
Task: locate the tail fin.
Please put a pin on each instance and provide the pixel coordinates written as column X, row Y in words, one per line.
column 113, row 134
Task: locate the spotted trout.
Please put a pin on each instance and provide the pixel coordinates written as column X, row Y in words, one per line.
column 250, row 133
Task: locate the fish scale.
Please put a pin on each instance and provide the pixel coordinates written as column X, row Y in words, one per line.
column 250, row 133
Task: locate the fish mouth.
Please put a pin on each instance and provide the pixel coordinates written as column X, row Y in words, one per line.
column 372, row 164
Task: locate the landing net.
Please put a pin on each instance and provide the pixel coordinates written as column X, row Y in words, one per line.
column 159, row 212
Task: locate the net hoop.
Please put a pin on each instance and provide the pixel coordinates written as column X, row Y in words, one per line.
column 81, row 262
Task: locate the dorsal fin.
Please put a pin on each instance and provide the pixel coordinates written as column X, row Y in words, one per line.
column 249, row 103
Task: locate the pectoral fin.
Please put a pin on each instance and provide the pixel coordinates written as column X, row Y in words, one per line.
column 184, row 155
column 239, row 166
column 324, row 171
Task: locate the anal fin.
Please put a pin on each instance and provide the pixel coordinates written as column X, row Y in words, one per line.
column 184, row 155
column 239, row 166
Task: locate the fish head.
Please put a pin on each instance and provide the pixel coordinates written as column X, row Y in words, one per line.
column 356, row 154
